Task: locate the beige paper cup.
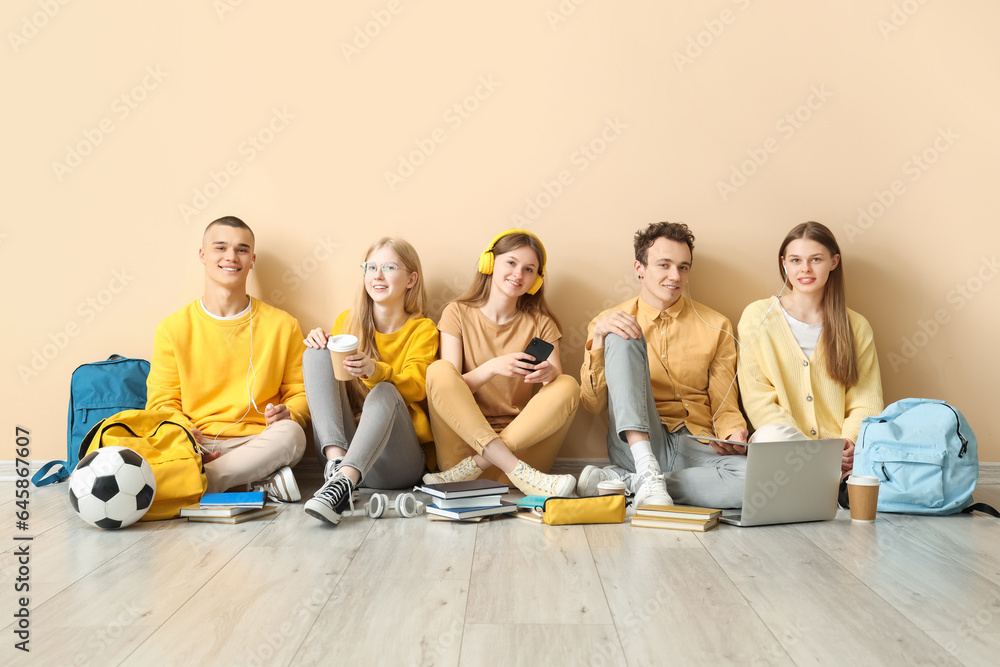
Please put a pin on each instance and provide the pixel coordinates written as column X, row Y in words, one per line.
column 341, row 347
column 611, row 487
column 862, row 492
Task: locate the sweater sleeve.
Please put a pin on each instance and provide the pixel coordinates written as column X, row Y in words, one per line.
column 293, row 391
column 163, row 386
column 760, row 396
column 411, row 380
column 865, row 398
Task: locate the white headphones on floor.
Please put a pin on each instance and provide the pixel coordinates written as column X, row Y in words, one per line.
column 405, row 504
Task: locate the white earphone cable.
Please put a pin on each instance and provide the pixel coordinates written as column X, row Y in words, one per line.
column 739, row 356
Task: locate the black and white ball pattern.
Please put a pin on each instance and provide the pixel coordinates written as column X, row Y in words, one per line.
column 112, row 487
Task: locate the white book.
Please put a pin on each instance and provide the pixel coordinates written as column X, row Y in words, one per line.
column 461, row 503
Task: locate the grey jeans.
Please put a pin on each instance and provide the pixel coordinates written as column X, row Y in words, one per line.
column 383, row 446
column 694, row 473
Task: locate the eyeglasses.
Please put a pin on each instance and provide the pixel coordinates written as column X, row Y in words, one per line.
column 387, row 269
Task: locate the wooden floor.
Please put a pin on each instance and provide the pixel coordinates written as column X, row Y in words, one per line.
column 293, row 591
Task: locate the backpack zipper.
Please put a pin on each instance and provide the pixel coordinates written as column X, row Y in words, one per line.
column 958, row 427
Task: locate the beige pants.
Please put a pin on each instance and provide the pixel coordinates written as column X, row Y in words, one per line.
column 251, row 458
column 460, row 429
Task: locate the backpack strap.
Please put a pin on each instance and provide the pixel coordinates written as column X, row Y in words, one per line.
column 981, row 507
column 61, row 473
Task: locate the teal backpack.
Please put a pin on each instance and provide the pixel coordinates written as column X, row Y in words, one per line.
column 925, row 456
column 96, row 391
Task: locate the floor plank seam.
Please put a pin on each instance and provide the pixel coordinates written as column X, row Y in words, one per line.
column 333, row 591
column 600, row 578
column 749, row 603
column 195, row 592
column 901, row 612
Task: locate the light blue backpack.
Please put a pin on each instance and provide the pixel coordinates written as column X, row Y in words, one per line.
column 925, row 456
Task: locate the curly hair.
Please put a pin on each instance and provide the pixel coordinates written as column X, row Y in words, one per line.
column 674, row 231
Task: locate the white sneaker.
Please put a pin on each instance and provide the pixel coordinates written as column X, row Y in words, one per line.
column 465, row 470
column 592, row 476
column 280, row 486
column 651, row 489
column 533, row 482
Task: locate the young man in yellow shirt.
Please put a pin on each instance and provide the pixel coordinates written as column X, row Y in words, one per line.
column 233, row 366
column 664, row 368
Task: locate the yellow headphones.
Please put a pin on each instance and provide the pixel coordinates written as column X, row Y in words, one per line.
column 487, row 258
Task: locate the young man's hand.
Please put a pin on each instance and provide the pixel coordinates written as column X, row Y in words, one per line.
column 619, row 322
column 726, row 449
column 206, row 457
column 275, row 413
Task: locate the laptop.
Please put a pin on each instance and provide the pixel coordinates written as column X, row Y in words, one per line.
column 789, row 482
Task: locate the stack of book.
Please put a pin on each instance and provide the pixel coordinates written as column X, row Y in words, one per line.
column 461, row 501
column 676, row 518
column 229, row 508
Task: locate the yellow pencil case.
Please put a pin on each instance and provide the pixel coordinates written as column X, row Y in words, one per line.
column 598, row 509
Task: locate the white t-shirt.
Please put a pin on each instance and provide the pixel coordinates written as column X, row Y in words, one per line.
column 806, row 335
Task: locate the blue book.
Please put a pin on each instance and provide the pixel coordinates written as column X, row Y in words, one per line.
column 472, row 512
column 531, row 502
column 253, row 499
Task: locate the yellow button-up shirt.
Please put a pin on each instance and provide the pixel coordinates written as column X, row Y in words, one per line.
column 692, row 367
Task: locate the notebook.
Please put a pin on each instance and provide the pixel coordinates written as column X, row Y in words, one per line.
column 789, row 482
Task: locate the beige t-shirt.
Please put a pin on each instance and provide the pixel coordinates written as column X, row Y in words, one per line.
column 502, row 398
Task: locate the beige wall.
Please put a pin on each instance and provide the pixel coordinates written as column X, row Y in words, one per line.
column 888, row 107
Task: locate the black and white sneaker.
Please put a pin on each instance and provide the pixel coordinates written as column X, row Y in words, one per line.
column 332, row 501
column 331, row 468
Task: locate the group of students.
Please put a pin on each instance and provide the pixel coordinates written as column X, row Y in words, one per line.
column 462, row 399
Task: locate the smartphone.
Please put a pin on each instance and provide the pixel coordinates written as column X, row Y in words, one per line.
column 539, row 349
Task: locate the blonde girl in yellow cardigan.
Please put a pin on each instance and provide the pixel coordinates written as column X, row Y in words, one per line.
column 808, row 367
column 388, row 447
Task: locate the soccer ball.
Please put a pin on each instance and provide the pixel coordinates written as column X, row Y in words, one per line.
column 112, row 487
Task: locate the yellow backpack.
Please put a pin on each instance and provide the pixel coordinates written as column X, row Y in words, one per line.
column 164, row 439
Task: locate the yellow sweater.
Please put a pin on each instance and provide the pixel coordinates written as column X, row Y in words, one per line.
column 406, row 354
column 780, row 385
column 200, row 366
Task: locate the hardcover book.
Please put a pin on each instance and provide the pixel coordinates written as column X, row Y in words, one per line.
column 477, row 487
column 470, row 512
column 254, row 499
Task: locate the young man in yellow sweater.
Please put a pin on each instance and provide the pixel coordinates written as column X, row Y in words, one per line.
column 233, row 366
column 664, row 368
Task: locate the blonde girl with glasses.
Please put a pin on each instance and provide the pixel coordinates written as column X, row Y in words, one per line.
column 373, row 428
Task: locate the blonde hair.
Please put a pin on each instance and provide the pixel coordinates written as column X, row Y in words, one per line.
column 478, row 292
column 361, row 321
column 837, row 338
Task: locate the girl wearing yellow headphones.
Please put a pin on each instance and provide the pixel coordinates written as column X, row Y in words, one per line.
column 481, row 396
